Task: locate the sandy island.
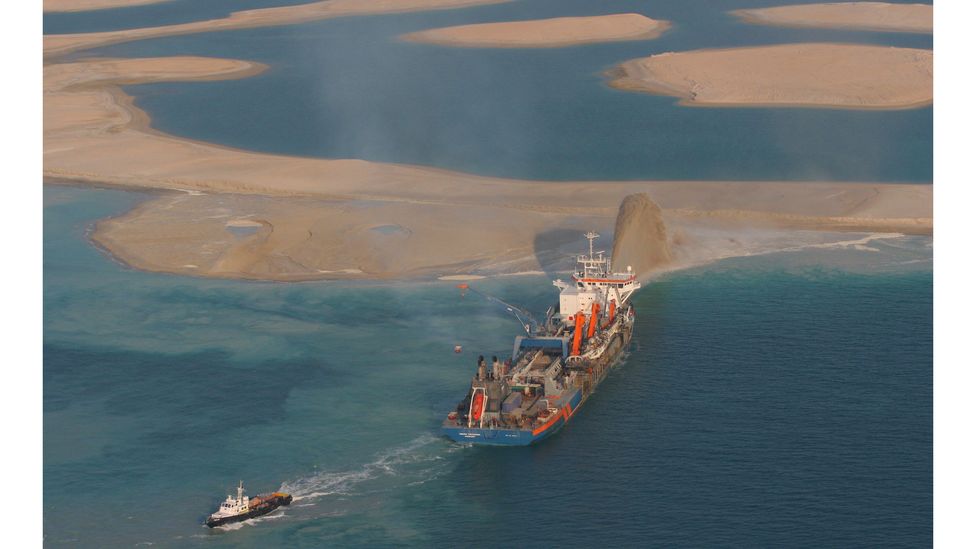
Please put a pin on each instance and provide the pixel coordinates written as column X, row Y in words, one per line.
column 545, row 33
column 240, row 214
column 87, row 5
column 58, row 44
column 803, row 75
column 877, row 16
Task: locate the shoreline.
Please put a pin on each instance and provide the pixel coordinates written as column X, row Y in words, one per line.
column 798, row 75
column 71, row 6
column 865, row 16
column 555, row 32
column 355, row 220
column 60, row 44
column 795, row 231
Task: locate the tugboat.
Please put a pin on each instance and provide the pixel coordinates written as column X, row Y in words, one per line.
column 555, row 367
column 244, row 508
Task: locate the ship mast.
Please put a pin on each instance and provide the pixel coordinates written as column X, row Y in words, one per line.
column 591, row 236
column 595, row 264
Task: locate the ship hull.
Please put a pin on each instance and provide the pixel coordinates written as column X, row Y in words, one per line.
column 264, row 509
column 567, row 408
column 517, row 437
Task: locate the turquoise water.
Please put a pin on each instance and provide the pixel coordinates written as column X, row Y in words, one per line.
column 779, row 400
column 346, row 88
column 774, row 400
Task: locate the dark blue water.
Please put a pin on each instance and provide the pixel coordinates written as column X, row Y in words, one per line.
column 778, row 400
column 347, row 88
column 775, row 400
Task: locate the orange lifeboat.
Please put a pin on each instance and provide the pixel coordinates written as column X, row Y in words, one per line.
column 477, row 406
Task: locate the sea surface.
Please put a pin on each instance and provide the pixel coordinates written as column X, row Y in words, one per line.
column 348, row 88
column 774, row 400
column 780, row 399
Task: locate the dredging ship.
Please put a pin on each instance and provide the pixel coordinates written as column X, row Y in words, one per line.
column 243, row 508
column 555, row 367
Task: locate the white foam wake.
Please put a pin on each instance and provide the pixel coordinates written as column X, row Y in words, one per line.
column 416, row 462
column 860, row 244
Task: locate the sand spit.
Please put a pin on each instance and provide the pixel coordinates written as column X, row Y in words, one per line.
column 72, row 77
column 877, row 16
column 640, row 237
column 57, row 44
column 323, row 219
column 801, row 75
column 88, row 5
column 545, row 33
column 310, row 238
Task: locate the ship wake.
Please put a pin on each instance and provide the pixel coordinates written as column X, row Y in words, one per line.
column 417, row 462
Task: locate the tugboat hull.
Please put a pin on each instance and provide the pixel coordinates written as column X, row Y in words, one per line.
column 266, row 506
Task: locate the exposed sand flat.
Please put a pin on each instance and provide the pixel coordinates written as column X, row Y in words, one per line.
column 804, row 75
column 879, row 16
column 545, row 33
column 63, row 77
column 309, row 238
column 57, row 44
column 87, row 5
column 318, row 218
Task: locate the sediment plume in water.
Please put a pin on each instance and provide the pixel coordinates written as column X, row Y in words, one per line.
column 640, row 238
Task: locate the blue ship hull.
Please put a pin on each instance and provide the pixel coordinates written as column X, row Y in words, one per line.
column 517, row 437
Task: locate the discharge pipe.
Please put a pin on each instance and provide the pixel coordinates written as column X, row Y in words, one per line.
column 594, row 320
column 578, row 334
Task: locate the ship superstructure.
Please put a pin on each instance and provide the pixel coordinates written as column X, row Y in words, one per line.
column 555, row 367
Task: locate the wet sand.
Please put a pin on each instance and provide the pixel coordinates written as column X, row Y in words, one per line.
column 802, row 75
column 545, row 33
column 877, row 16
column 319, row 218
column 58, row 44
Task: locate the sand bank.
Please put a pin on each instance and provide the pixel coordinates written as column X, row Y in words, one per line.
column 877, row 16
column 87, row 5
column 309, row 238
column 57, row 44
column 804, row 75
column 321, row 219
column 545, row 33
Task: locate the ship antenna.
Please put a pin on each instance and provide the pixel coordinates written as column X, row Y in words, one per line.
column 591, row 236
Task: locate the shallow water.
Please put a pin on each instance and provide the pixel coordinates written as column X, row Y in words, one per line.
column 782, row 399
column 347, row 88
